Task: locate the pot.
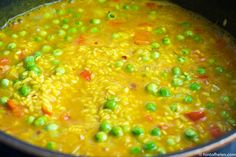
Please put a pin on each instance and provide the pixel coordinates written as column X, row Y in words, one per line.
column 219, row 12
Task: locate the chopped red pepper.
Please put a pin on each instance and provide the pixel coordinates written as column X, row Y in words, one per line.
column 151, row 5
column 86, row 75
column 220, row 43
column 115, row 23
column 4, row 61
column 16, row 109
column 142, row 38
column 148, row 118
column 80, row 40
column 195, row 116
column 215, row 131
column 47, row 110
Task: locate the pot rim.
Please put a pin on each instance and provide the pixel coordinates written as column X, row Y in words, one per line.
column 38, row 151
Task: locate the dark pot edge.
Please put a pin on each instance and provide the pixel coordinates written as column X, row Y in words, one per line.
column 37, row 151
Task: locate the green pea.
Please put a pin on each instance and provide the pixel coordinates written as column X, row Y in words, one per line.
column 43, row 33
column 57, row 52
column 188, row 33
column 79, row 23
column 156, row 132
column 176, row 82
column 111, row 104
column 181, row 59
column 51, row 127
column 135, row 7
column 37, row 39
column 225, row 114
column 68, row 38
column 166, row 41
column 161, row 151
column 24, row 90
column 174, row 107
column 195, row 86
column 135, row 150
column 1, row 43
column 84, row 28
column 94, row 30
column 160, row 30
column 151, row 88
column 211, row 61
column 40, row 121
column 95, row 21
column 47, row 15
column 219, row 69
column 101, row 1
column 61, row 32
column 145, row 58
column 149, row 146
column 60, row 70
column 126, row 128
column 209, row 106
column 176, row 71
column 117, row 131
column 126, row 7
column 30, row 119
column 164, row 92
column 155, row 45
column 3, row 100
column 56, row 21
column 180, row 37
column 185, row 24
column 46, row 48
column 119, row 64
column 14, row 36
column 55, row 62
column 151, row 106
column 105, row 127
column 65, row 26
column 23, row 75
column 6, row 52
column 101, row 136
column 35, row 69
column 22, row 33
column 51, row 146
column 187, row 77
column 137, row 131
column 11, row 46
column 201, row 70
column 29, row 62
column 110, row 15
column 190, row 133
column 37, row 54
column 77, row 15
column 60, row 11
column 225, row 99
column 231, row 121
column 5, row 83
column 155, row 55
column 188, row 99
column 185, row 51
column 72, row 30
column 197, row 38
column 129, row 68
column 116, row 35
column 170, row 141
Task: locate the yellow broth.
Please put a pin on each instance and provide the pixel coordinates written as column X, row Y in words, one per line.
column 116, row 78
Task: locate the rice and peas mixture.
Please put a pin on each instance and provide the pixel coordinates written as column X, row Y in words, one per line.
column 115, row 78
